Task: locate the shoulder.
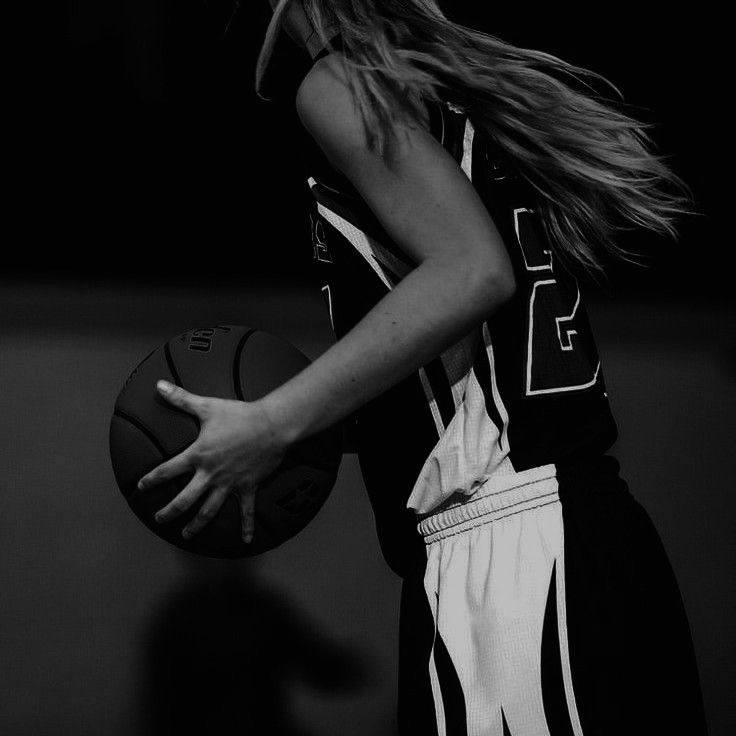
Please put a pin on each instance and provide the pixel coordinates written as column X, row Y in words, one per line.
column 328, row 109
column 327, row 75
column 325, row 103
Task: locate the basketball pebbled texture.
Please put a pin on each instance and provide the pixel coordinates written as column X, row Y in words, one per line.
column 228, row 362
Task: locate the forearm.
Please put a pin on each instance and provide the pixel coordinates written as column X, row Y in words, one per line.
column 432, row 308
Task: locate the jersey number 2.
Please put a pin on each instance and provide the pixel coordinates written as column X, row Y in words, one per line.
column 556, row 359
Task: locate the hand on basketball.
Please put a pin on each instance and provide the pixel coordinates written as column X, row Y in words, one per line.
column 237, row 447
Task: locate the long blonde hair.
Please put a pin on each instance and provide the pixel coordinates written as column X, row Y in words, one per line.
column 593, row 167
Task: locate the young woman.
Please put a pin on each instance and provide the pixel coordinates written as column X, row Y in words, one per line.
column 458, row 184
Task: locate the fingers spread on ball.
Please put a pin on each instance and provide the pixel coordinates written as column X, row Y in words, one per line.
column 247, row 499
column 181, row 398
column 182, row 502
column 208, row 512
column 175, row 466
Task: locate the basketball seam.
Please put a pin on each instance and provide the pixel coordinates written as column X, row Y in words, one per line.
column 170, row 363
column 236, row 365
column 149, row 433
column 138, row 424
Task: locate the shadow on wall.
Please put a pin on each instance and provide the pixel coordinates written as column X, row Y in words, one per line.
column 224, row 651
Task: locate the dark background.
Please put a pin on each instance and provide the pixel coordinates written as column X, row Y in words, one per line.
column 140, row 128
column 152, row 191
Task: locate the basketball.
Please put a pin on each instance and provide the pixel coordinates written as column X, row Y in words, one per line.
column 227, row 362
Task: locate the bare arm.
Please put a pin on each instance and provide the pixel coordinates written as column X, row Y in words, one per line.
column 431, row 210
column 427, row 205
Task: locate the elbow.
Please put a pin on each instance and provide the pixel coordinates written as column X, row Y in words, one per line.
column 504, row 285
column 497, row 286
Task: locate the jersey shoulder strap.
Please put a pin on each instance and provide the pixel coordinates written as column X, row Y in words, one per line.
column 334, row 41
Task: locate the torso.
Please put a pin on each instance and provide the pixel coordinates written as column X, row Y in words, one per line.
column 523, row 392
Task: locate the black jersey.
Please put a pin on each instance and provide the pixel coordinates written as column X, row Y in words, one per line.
column 521, row 393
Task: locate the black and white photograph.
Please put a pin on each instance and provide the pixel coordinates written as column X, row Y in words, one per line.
column 368, row 368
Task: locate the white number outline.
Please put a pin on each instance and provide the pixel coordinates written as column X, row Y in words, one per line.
column 566, row 343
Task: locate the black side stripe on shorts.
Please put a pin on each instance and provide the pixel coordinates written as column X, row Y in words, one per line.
column 554, row 697
column 506, row 730
column 453, row 700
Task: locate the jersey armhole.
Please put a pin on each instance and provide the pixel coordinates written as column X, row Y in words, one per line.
column 436, row 121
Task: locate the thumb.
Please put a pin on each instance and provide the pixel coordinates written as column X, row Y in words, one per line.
column 180, row 398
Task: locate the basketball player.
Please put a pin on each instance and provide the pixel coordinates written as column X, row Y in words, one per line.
column 458, row 184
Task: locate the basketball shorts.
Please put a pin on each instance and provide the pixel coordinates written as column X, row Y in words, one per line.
column 549, row 609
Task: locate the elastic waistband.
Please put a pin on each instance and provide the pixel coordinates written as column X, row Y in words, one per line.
column 487, row 506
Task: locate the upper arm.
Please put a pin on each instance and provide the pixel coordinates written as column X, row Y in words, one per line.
column 424, row 200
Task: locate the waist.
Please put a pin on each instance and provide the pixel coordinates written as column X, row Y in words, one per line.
column 490, row 502
column 503, row 496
